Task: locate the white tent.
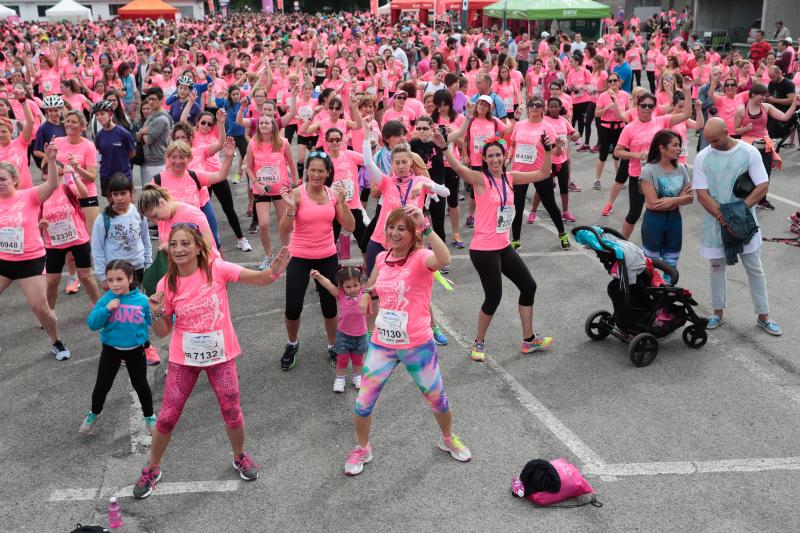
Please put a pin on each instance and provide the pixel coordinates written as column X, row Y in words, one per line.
column 385, row 9
column 6, row 12
column 68, row 10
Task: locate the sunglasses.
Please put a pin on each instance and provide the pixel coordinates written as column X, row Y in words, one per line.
column 423, row 128
column 204, row 123
column 400, row 97
column 318, row 153
column 730, row 85
column 334, row 140
column 647, row 106
column 537, row 105
column 190, row 225
column 613, row 81
column 334, row 108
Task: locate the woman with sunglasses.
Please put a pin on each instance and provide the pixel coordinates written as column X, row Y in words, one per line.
column 311, row 211
column 191, row 303
column 610, row 106
column 667, row 85
column 728, row 102
column 346, row 163
column 490, row 250
column 400, row 111
column 399, row 289
column 445, row 118
column 270, row 167
column 634, row 144
column 334, row 118
column 578, row 81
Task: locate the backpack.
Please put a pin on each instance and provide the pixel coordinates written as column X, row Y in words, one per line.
column 192, row 174
column 89, row 529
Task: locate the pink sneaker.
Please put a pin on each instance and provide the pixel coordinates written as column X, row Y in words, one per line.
column 532, row 218
column 607, row 210
column 573, row 187
column 151, row 356
column 357, row 459
column 567, row 216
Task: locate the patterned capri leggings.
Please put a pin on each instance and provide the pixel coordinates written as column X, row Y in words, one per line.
column 422, row 362
column 178, row 386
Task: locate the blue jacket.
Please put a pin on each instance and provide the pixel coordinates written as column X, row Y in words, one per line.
column 125, row 327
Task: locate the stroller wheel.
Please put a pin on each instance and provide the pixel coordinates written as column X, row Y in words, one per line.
column 597, row 326
column 694, row 336
column 643, row 349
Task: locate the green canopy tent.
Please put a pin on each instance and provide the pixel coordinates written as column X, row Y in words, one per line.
column 547, row 9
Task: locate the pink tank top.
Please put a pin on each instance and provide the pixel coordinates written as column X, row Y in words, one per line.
column 312, row 237
column 758, row 121
column 493, row 214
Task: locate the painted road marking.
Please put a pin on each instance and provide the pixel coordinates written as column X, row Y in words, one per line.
column 695, row 467
column 163, row 489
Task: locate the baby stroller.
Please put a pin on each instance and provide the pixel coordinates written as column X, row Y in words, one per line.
column 646, row 308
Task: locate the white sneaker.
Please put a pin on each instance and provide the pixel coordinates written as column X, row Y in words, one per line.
column 357, row 381
column 60, row 351
column 266, row 262
column 454, row 447
column 244, row 245
column 356, row 460
column 338, row 384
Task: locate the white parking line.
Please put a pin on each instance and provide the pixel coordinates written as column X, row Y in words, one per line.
column 163, row 489
column 695, row 467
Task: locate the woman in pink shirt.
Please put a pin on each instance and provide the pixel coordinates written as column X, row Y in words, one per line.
column 156, row 204
column 346, row 163
column 192, row 304
column 399, row 290
column 490, row 251
column 534, row 78
column 22, row 253
column 311, row 210
column 507, row 89
column 81, row 155
column 15, row 151
column 579, row 82
column 610, row 106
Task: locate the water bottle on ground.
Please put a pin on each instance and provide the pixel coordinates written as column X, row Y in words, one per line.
column 114, row 513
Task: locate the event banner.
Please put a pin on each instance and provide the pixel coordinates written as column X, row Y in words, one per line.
column 373, row 7
column 266, row 6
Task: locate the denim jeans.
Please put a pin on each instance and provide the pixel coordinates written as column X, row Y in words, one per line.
column 755, row 279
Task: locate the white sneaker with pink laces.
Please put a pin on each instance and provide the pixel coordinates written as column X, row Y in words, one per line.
column 455, row 447
column 357, row 459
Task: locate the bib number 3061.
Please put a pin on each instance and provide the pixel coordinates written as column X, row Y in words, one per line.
column 203, row 349
column 392, row 326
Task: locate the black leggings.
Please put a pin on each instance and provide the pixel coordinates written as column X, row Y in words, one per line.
column 548, row 198
column 635, row 200
column 491, row 266
column 651, row 78
column 297, row 282
column 110, row 359
column 579, row 112
column 222, row 191
column 637, row 74
column 608, row 138
column 358, row 232
column 588, row 120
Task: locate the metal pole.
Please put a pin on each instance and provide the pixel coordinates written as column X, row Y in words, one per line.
column 464, row 9
column 505, row 9
column 434, row 15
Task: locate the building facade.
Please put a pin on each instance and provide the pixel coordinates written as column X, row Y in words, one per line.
column 35, row 9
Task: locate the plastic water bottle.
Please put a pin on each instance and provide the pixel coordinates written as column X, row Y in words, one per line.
column 114, row 513
column 517, row 487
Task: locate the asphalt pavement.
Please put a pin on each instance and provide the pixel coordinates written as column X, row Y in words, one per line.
column 701, row 440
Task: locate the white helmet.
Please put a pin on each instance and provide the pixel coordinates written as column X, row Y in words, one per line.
column 53, row 101
column 186, row 80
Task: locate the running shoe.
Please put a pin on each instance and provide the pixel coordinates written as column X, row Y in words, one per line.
column 73, row 285
column 573, row 187
column 715, row 321
column 478, row 351
column 566, row 216
column 87, row 427
column 147, row 482
column 564, row 241
column 596, row 185
column 356, row 381
column 470, row 223
column 237, row 178
column 445, row 269
column 253, row 229
column 338, row 384
column 266, row 262
column 539, row 342
column 455, row 448
column 439, row 337
column 60, row 351
column 595, row 148
column 584, row 148
column 607, row 210
column 516, row 245
column 458, row 243
column 247, row 468
column 765, row 204
column 461, row 198
column 289, row 355
column 244, row 245
column 532, row 217
column 770, row 326
column 151, row 356
column 150, row 423
column 356, row 460
column 332, row 357
column 794, row 218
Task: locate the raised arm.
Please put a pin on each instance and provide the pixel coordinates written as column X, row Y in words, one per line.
column 375, row 174
column 44, row 190
column 473, row 177
column 228, row 150
column 325, row 282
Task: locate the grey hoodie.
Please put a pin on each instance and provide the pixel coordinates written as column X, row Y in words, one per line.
column 127, row 239
column 159, row 129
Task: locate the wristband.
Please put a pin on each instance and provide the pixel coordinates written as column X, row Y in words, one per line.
column 158, row 315
column 290, row 215
column 427, row 231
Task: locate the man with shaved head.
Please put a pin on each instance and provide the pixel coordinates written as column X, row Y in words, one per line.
column 716, row 169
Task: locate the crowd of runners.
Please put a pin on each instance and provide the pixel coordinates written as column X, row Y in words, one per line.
column 348, row 128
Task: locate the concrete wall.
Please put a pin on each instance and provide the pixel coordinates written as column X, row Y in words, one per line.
column 786, row 10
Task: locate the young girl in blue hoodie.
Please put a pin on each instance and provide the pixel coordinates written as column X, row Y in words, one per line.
column 123, row 317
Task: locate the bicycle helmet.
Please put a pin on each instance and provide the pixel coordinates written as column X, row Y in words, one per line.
column 103, row 105
column 53, row 101
column 186, row 80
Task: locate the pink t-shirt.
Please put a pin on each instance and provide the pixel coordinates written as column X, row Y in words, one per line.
column 184, row 189
column 528, row 148
column 345, row 169
column 578, row 81
column 395, row 195
column 185, row 213
column 563, row 129
column 405, row 297
column 490, row 233
column 405, row 116
column 312, row 236
column 726, row 108
column 203, row 333
column 201, row 160
column 20, row 239
column 85, row 152
column 623, row 100
column 480, row 130
column 637, row 136
column 357, row 136
column 66, row 223
column 16, row 153
column 270, row 167
column 351, row 320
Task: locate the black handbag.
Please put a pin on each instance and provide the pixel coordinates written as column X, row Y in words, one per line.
column 138, row 157
column 743, row 185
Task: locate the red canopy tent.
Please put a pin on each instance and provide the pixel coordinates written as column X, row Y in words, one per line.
column 474, row 14
column 147, row 9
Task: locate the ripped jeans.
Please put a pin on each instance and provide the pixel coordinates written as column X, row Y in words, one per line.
column 756, row 280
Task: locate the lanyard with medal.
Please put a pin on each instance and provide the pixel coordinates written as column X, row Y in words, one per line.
column 404, row 198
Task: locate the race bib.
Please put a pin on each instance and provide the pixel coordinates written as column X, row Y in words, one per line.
column 505, row 215
column 651, row 66
column 592, row 89
column 392, row 326
column 62, row 232
column 267, row 176
column 508, row 102
column 636, row 65
column 684, row 149
column 562, row 141
column 525, row 153
column 203, row 349
column 12, row 240
column 477, row 143
column 349, row 189
column 47, row 86
column 305, row 112
column 537, row 91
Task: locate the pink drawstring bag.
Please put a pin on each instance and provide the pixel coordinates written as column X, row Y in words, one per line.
column 549, row 482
